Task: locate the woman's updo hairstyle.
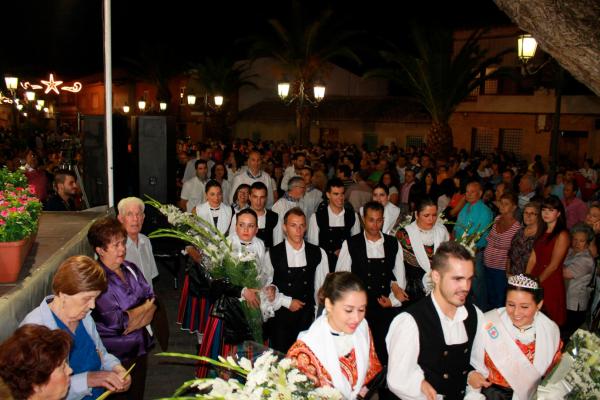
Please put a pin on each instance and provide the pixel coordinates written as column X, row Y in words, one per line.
column 337, row 284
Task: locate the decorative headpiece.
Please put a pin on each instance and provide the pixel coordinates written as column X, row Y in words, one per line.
column 523, row 281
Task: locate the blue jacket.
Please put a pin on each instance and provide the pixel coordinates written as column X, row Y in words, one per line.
column 42, row 315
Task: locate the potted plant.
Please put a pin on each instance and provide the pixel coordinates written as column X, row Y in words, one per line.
column 19, row 216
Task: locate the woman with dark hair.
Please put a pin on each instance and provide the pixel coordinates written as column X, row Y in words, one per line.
column 428, row 185
column 547, row 258
column 519, row 347
column 418, row 242
column 34, row 364
column 124, row 311
column 390, row 179
column 522, row 243
column 219, row 173
column 240, row 198
column 337, row 350
column 78, row 281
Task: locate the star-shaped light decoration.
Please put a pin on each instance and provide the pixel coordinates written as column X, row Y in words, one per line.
column 51, row 84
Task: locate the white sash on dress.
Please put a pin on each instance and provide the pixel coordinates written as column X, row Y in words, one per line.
column 320, row 341
column 522, row 376
column 440, row 235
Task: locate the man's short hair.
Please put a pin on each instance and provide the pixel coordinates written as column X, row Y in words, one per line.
column 130, row 201
column 447, row 250
column 200, row 161
column 61, row 175
column 333, row 182
column 373, row 206
column 259, row 186
column 297, row 211
column 298, row 154
column 307, row 168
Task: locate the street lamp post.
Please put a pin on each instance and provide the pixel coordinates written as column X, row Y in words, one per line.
column 526, row 48
column 218, row 102
column 301, row 98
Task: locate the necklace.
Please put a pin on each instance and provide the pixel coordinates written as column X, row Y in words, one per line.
column 523, row 330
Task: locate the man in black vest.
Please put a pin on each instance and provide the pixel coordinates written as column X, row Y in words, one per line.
column 297, row 269
column 430, row 344
column 269, row 222
column 373, row 256
column 331, row 225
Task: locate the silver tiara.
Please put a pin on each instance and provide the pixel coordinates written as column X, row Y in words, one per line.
column 523, row 281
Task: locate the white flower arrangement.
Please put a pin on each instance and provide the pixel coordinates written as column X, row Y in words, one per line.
column 577, row 376
column 469, row 241
column 268, row 379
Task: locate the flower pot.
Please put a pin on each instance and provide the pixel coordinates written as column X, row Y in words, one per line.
column 12, row 256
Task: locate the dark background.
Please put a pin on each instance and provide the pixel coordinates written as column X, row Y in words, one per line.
column 65, row 36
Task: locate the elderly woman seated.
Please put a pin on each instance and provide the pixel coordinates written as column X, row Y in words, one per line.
column 77, row 283
column 33, row 364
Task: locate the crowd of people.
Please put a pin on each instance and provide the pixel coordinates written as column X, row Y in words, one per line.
column 360, row 263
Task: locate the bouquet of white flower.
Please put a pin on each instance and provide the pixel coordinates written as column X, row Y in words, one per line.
column 577, row 375
column 469, row 240
column 268, row 378
column 219, row 258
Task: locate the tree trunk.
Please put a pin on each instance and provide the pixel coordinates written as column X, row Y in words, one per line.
column 439, row 140
column 568, row 30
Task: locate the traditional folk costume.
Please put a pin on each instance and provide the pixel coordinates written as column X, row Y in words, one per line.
column 329, row 230
column 425, row 344
column 329, row 358
column 378, row 264
column 418, row 247
column 269, row 228
column 297, row 274
column 220, row 339
column 194, row 306
column 512, row 359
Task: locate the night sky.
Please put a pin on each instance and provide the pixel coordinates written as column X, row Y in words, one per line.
column 65, row 36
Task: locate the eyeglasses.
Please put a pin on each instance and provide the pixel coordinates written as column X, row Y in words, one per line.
column 531, row 214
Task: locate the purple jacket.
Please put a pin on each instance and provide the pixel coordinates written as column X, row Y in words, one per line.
column 111, row 316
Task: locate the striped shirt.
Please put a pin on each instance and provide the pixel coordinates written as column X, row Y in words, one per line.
column 496, row 252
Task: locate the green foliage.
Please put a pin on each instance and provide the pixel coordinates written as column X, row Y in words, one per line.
column 19, row 209
column 436, row 75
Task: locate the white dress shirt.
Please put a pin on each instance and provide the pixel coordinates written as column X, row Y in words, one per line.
column 335, row 220
column 374, row 250
column 193, row 192
column 247, row 178
column 296, row 259
column 142, row 256
column 190, row 169
column 404, row 374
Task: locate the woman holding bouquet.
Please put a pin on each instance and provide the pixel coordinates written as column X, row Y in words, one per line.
column 418, row 242
column 547, row 258
column 193, row 305
column 519, row 347
column 337, row 350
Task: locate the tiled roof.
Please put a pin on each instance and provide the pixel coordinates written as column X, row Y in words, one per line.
column 392, row 109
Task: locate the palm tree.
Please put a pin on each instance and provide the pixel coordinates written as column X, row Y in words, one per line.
column 304, row 51
column 222, row 77
column 439, row 78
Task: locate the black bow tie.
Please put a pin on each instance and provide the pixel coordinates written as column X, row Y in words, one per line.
column 215, row 209
column 246, row 244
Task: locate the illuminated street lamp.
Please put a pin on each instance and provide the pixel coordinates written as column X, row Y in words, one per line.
column 526, row 47
column 142, row 105
column 126, row 109
column 11, row 84
column 41, row 102
column 30, row 95
column 301, row 97
column 163, row 106
column 191, row 99
column 218, row 101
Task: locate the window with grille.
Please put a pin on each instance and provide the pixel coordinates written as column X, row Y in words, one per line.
column 483, row 140
column 416, row 141
column 490, row 85
column 511, row 140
